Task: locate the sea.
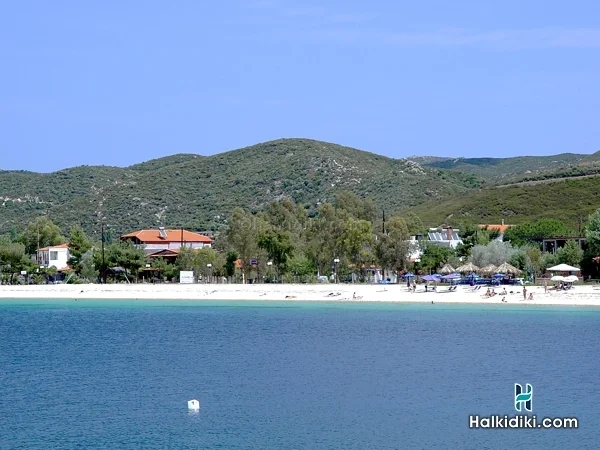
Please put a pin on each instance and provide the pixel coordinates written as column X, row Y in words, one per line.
column 93, row 374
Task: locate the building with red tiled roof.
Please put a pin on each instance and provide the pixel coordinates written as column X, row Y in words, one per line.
column 501, row 228
column 166, row 243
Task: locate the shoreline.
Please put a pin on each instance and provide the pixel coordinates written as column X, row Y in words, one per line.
column 578, row 296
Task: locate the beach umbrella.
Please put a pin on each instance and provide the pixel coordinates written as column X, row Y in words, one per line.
column 467, row 268
column 557, row 278
column 498, row 275
column 571, row 279
column 431, row 278
column 409, row 275
column 563, row 268
column 451, row 276
column 447, row 269
column 507, row 268
column 488, row 270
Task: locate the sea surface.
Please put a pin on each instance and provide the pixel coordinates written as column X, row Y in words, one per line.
column 302, row 375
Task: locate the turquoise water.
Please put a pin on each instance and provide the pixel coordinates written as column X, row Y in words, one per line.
column 106, row 374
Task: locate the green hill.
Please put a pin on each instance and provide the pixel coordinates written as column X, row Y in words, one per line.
column 199, row 192
column 501, row 170
column 567, row 200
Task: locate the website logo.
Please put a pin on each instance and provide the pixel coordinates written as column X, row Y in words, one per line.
column 523, row 397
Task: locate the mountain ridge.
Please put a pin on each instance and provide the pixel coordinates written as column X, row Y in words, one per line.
column 200, row 191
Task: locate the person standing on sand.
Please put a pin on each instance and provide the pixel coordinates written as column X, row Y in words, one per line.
column 545, row 286
column 524, row 293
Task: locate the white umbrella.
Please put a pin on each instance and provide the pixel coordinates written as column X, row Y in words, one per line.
column 563, row 268
column 557, row 278
column 571, row 279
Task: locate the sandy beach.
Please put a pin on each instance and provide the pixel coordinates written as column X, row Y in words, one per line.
column 578, row 296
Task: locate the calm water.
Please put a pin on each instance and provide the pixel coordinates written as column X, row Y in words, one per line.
column 273, row 375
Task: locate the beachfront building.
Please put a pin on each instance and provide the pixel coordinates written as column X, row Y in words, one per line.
column 166, row 243
column 444, row 237
column 552, row 244
column 54, row 256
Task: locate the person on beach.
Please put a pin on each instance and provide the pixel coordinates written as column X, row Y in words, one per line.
column 504, row 299
column 531, row 296
column 545, row 286
column 524, row 293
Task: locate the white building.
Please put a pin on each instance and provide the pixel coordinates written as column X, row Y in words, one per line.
column 444, row 237
column 54, row 256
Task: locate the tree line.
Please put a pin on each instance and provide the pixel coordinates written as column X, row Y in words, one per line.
column 284, row 242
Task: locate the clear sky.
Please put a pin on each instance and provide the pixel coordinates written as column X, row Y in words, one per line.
column 120, row 82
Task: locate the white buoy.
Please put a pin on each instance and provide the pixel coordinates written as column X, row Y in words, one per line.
column 193, row 405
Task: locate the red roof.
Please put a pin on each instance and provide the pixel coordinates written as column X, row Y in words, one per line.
column 55, row 246
column 153, row 236
column 500, row 228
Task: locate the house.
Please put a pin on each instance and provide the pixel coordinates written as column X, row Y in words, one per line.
column 54, row 256
column 444, row 237
column 165, row 243
column 500, row 228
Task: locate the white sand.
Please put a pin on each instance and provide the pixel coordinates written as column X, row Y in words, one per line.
column 578, row 296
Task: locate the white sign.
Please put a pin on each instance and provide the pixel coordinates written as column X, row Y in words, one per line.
column 186, row 277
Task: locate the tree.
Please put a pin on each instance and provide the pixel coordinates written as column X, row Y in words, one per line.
column 356, row 242
column 393, row 246
column 535, row 232
column 324, row 236
column 355, row 206
column 278, row 246
column 203, row 257
column 13, row 259
column 229, row 265
column 122, row 254
column 570, row 254
column 243, row 230
column 495, row 253
column 186, row 259
column 41, row 232
column 592, row 233
column 591, row 258
column 433, row 257
column 87, row 268
column 79, row 245
column 414, row 224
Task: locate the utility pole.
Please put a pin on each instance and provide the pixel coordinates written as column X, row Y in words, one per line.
column 38, row 242
column 383, row 226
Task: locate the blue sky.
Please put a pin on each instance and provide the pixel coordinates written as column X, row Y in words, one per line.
column 118, row 83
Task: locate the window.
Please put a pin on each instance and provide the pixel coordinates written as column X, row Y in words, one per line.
column 53, row 256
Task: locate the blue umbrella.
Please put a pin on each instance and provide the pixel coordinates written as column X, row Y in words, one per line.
column 452, row 276
column 498, row 275
column 473, row 275
column 409, row 275
column 431, row 278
